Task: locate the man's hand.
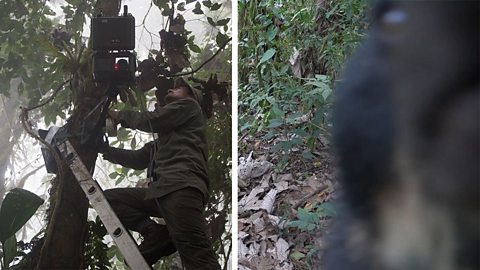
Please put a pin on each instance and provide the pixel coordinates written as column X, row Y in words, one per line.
column 113, row 114
column 103, row 144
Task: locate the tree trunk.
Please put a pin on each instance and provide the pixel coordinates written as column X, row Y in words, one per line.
column 66, row 231
column 64, row 246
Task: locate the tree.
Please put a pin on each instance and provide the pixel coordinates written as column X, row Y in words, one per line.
column 61, row 61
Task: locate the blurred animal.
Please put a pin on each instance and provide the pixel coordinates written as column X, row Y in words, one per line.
column 406, row 133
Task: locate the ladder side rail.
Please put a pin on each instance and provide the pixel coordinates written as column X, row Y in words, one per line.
column 94, row 193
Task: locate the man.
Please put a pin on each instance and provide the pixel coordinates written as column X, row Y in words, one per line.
column 178, row 167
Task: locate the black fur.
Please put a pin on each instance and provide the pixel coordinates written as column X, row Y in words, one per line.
column 406, row 132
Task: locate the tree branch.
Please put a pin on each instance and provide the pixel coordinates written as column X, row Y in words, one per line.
column 28, row 128
column 50, row 98
column 204, row 63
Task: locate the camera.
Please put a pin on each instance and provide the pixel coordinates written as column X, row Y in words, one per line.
column 113, row 41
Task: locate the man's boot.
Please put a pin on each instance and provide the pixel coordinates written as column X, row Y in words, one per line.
column 156, row 243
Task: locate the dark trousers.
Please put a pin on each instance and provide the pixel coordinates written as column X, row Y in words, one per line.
column 183, row 212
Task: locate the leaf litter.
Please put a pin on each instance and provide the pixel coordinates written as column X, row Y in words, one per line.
column 284, row 211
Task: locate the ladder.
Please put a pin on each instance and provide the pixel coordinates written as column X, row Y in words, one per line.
column 121, row 237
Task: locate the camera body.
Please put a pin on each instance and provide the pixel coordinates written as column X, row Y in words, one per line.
column 113, row 41
column 118, row 67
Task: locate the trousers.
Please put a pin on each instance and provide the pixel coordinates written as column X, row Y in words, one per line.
column 183, row 212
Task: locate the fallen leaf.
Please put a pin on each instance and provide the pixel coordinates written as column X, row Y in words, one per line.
column 268, row 201
column 282, row 247
column 250, row 202
column 284, row 177
column 281, row 186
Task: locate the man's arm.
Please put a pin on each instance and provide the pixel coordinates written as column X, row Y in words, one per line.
column 162, row 120
column 135, row 159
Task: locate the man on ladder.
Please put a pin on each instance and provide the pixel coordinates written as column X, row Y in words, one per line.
column 177, row 159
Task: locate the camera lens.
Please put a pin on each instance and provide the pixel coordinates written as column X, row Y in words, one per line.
column 122, row 64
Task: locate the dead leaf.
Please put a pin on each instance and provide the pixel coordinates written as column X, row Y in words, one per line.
column 253, row 169
column 262, row 263
column 276, row 221
column 242, row 249
column 268, row 201
column 283, row 177
column 242, row 267
column 266, row 180
column 281, row 186
column 250, row 202
column 281, row 250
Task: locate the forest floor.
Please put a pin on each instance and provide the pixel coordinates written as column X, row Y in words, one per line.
column 284, row 208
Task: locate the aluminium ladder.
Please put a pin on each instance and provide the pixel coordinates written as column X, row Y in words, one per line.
column 121, row 237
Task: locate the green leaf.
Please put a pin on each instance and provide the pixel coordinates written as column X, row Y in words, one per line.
column 326, row 93
column 74, row 2
column 293, row 116
column 133, row 143
column 267, row 56
column 181, row 6
column 311, row 227
column 198, row 9
column 160, row 3
column 123, row 134
column 166, row 11
column 307, row 154
column 194, row 48
column 328, row 209
column 10, row 249
column 223, row 22
column 119, row 180
column 216, row 6
column 296, row 255
column 210, row 21
column 17, row 208
column 274, row 123
column 221, row 39
column 303, row 215
column 300, row 132
column 272, row 32
column 296, row 223
column 207, row 3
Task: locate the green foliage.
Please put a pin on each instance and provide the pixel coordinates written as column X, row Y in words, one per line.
column 17, row 208
column 307, row 221
column 290, row 58
column 22, row 23
column 310, row 221
column 96, row 257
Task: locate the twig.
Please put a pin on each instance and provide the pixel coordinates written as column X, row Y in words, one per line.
column 50, row 98
column 302, row 201
column 243, row 137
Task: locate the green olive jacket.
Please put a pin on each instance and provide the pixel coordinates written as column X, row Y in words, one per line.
column 181, row 147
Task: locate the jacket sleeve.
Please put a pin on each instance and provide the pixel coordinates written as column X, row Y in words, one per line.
column 135, row 159
column 162, row 120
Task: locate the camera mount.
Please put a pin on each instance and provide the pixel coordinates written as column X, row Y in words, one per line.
column 113, row 41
